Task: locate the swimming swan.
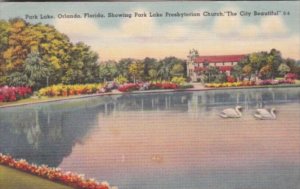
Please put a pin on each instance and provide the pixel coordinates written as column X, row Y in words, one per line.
column 265, row 114
column 232, row 112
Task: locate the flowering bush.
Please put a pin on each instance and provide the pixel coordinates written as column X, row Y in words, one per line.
column 146, row 86
column 53, row 174
column 178, row 80
column 230, row 79
column 165, row 85
column 10, row 94
column 231, row 84
column 268, row 82
column 275, row 82
column 68, row 90
column 129, row 87
column 286, row 81
column 290, row 76
column 120, row 80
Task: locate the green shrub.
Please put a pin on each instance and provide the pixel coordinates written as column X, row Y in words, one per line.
column 178, row 80
column 120, row 80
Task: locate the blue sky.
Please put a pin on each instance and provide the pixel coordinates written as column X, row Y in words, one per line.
column 115, row 38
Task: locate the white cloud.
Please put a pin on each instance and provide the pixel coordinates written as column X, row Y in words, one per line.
column 77, row 27
column 226, row 25
column 273, row 25
column 138, row 26
column 250, row 30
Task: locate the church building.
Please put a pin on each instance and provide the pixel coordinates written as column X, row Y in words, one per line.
column 197, row 64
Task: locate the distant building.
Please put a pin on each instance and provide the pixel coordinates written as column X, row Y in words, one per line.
column 197, row 64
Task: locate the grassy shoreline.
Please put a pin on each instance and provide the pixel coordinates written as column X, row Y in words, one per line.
column 12, row 178
column 36, row 100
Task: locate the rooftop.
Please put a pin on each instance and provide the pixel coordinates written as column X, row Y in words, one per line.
column 221, row 58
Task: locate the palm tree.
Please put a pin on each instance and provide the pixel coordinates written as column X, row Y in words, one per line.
column 164, row 70
column 35, row 70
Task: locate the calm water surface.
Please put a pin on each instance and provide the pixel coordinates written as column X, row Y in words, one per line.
column 166, row 140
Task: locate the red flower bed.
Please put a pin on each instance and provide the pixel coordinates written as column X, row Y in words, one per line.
column 129, row 87
column 163, row 86
column 291, row 76
column 10, row 94
column 286, row 81
column 53, row 174
column 146, row 86
column 230, row 79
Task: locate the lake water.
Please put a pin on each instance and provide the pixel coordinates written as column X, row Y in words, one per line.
column 164, row 140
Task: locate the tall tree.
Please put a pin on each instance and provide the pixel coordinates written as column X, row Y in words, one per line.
column 83, row 67
column 4, row 29
column 136, row 70
column 283, row 69
column 36, row 70
column 108, row 70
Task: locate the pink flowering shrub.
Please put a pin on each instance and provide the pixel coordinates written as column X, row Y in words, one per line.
column 146, row 86
column 10, row 94
column 291, row 76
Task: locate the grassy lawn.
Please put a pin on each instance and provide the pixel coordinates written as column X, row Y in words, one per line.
column 36, row 100
column 14, row 179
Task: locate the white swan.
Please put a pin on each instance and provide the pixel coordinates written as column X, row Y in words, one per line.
column 265, row 114
column 232, row 112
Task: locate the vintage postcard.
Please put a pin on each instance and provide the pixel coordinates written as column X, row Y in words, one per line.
column 150, row 95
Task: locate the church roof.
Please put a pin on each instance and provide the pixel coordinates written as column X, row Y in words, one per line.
column 222, row 58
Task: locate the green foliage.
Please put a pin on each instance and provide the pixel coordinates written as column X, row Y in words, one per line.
column 83, row 67
column 136, row 70
column 26, row 47
column 153, row 74
column 177, row 70
column 108, row 71
column 261, row 64
column 17, row 79
column 120, row 80
column 211, row 74
column 178, row 80
column 220, row 78
column 283, row 69
column 170, row 67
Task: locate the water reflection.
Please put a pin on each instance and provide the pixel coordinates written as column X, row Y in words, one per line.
column 119, row 137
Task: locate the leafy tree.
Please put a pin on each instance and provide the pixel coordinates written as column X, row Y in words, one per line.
column 237, row 71
column 211, row 73
column 123, row 65
column 136, row 70
column 165, row 67
column 177, row 70
column 284, row 69
column 17, row 79
column 149, row 64
column 247, row 70
column 108, row 70
column 292, row 65
column 36, row 70
column 83, row 67
column 221, row 77
column 164, row 70
column 266, row 72
column 4, row 29
column 120, row 80
column 153, row 74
